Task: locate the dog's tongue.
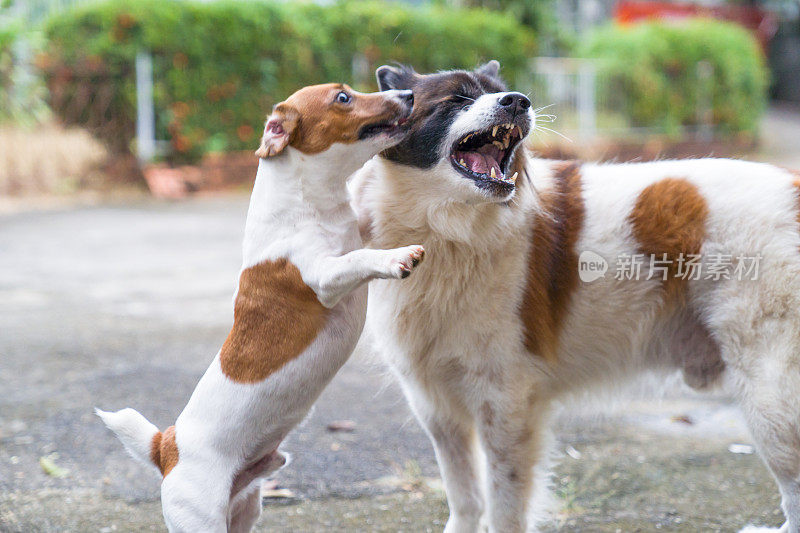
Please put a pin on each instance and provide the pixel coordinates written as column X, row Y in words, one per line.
column 482, row 160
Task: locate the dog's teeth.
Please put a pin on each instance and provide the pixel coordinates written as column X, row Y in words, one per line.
column 492, row 173
column 494, row 131
column 498, row 144
column 462, row 163
column 513, row 178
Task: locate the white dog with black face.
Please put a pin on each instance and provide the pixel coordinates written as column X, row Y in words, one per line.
column 298, row 313
column 500, row 325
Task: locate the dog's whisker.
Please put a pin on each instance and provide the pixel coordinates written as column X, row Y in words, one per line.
column 538, row 133
column 464, row 97
column 543, row 108
column 540, row 128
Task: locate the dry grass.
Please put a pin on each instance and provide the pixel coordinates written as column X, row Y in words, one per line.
column 47, row 159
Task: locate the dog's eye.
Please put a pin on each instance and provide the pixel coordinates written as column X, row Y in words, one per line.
column 343, row 98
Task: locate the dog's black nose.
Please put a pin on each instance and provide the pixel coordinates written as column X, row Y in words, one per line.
column 515, row 101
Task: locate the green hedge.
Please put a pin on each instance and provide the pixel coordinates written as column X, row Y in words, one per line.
column 649, row 70
column 22, row 93
column 220, row 66
column 8, row 35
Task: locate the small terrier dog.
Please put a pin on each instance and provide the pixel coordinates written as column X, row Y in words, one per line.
column 298, row 313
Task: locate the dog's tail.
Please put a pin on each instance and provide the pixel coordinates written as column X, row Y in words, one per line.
column 140, row 437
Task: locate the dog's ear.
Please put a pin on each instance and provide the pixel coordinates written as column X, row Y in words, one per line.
column 398, row 77
column 491, row 69
column 278, row 130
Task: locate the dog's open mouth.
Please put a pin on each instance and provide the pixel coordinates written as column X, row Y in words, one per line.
column 389, row 128
column 484, row 155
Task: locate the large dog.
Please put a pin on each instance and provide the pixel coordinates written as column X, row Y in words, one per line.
column 514, row 311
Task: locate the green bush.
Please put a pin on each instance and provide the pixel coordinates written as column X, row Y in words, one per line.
column 220, row 66
column 8, row 36
column 22, row 94
column 650, row 72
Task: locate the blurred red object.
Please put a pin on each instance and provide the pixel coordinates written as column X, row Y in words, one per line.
column 761, row 22
column 171, row 183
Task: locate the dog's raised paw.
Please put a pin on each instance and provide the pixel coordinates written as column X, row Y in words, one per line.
column 417, row 255
column 405, row 260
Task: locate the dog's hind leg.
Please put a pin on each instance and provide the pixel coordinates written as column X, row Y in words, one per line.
column 195, row 497
column 453, row 436
column 245, row 506
column 245, row 509
column 768, row 384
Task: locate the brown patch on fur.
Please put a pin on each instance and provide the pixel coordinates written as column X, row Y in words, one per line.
column 553, row 261
column 164, row 450
column 669, row 218
column 276, row 316
column 314, row 120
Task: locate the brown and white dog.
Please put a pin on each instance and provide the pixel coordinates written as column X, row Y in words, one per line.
column 298, row 313
column 520, row 305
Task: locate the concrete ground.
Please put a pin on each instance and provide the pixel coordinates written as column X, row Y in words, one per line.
column 125, row 305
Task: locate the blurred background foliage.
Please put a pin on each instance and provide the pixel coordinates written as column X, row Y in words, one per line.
column 650, row 72
column 220, row 66
column 22, row 92
column 539, row 15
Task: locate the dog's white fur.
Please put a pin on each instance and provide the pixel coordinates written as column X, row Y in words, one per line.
column 454, row 338
column 228, row 433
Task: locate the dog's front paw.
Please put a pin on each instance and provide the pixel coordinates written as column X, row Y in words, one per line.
column 404, row 260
